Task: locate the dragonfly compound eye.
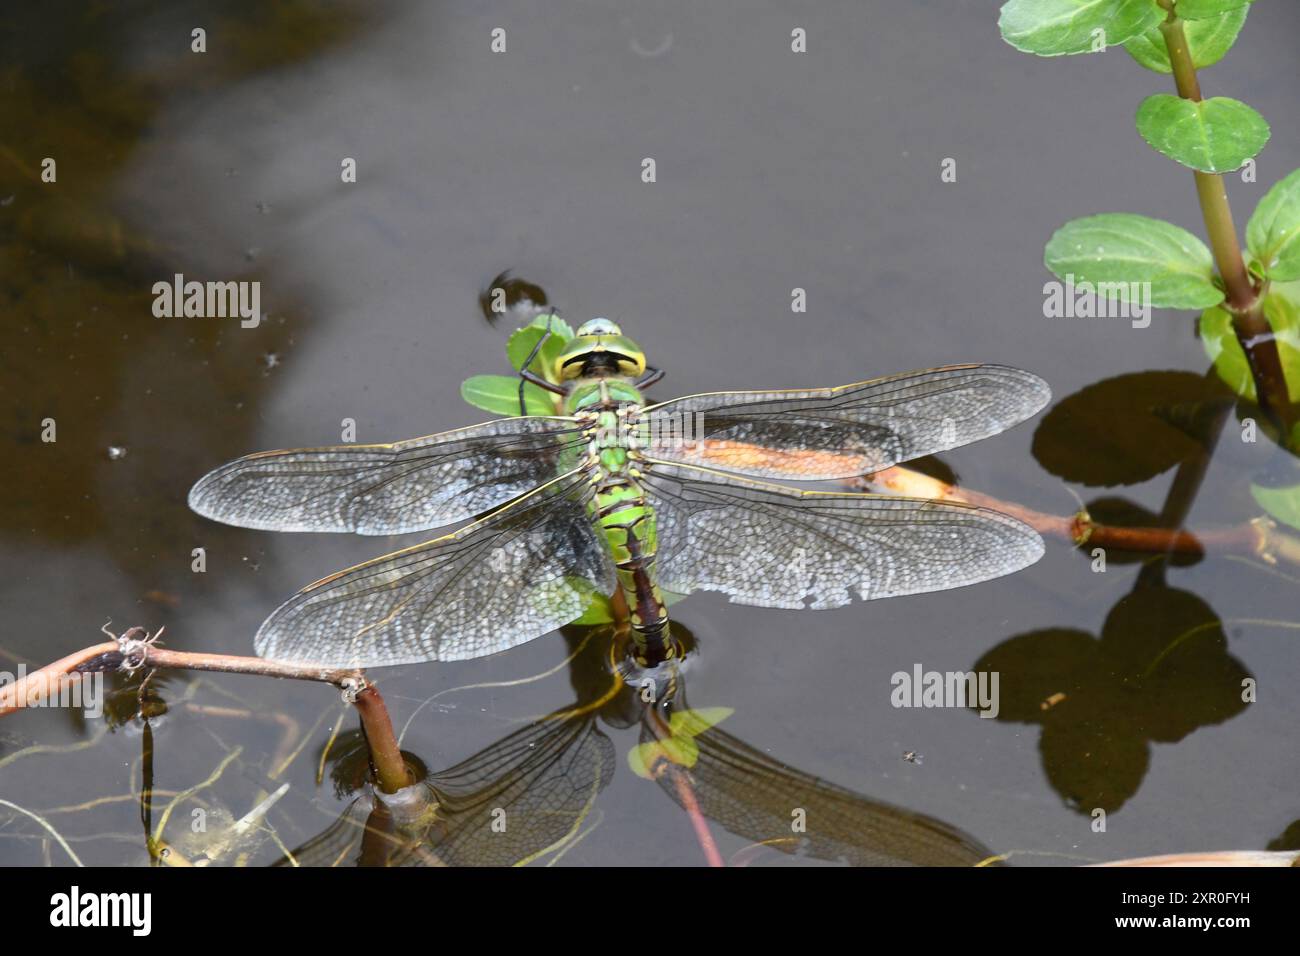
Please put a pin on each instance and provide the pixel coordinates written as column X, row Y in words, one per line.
column 599, row 327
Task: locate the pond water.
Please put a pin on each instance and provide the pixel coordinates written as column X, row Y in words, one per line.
column 1121, row 690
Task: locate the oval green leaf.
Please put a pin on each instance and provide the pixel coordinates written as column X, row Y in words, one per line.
column 1063, row 27
column 599, row 609
column 1213, row 136
column 1207, row 40
column 499, row 394
column 1281, row 504
column 1125, row 248
column 689, row 723
column 1273, row 233
column 1205, row 9
column 679, row 750
column 1224, row 350
column 522, row 341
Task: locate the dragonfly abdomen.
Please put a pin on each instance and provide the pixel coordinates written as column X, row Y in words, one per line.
column 626, row 521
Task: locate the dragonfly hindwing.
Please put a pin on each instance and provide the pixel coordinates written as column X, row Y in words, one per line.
column 526, row 569
column 771, row 546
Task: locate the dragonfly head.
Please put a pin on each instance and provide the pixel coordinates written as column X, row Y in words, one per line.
column 598, row 348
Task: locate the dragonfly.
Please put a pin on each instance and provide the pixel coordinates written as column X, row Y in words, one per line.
column 614, row 494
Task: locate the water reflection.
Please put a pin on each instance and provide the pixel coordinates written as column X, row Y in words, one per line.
column 1160, row 668
column 531, row 796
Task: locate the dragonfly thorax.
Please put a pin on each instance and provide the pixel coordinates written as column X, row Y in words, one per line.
column 601, row 392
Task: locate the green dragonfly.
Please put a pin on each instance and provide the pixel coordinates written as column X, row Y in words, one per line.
column 614, row 494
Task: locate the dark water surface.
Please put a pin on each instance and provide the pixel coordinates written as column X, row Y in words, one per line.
column 775, row 171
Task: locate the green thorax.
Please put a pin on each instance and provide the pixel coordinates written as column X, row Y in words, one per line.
column 604, row 393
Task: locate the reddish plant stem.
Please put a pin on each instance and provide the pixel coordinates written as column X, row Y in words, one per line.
column 391, row 772
column 1243, row 301
column 681, row 780
column 237, row 664
column 132, row 651
column 36, row 686
column 686, row 794
column 1261, row 538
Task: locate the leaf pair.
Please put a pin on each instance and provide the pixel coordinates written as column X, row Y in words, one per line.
column 499, row 394
column 1211, row 136
column 1067, row 27
column 1121, row 248
column 1209, row 36
column 678, row 747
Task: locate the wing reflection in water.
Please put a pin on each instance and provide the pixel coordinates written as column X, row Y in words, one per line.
column 514, row 802
column 528, row 797
column 756, row 797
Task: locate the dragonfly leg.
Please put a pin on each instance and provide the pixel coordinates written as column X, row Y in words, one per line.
column 540, row 382
column 651, row 376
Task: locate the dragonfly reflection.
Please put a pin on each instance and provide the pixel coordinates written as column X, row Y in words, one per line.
column 542, row 783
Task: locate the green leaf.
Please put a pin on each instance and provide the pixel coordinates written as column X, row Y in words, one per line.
column 1282, row 504
column 1207, row 40
column 1273, row 233
column 1205, row 9
column 1214, row 136
column 554, row 322
column 1061, row 27
column 679, row 750
column 1124, row 247
column 1224, row 350
column 523, row 341
column 689, row 723
column 599, row 609
column 499, row 394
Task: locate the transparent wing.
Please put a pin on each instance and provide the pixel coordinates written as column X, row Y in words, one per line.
column 822, row 433
column 545, row 778
column 524, row 570
column 771, row 546
column 541, row 782
column 387, row 489
column 754, row 796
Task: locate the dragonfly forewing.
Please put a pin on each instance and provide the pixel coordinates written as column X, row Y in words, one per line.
column 407, row 486
column 826, row 433
column 524, row 570
column 771, row 546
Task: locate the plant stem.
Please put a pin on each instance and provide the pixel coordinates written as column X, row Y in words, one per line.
column 1242, row 298
column 390, row 769
column 134, row 650
column 681, row 782
column 1259, row 539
